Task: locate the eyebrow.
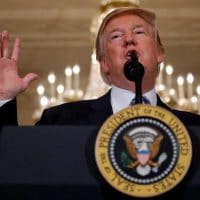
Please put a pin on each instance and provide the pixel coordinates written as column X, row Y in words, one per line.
column 120, row 29
column 114, row 30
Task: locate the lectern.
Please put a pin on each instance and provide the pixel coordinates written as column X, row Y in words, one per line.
column 47, row 163
column 57, row 162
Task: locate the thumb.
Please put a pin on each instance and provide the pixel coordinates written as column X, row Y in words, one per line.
column 28, row 79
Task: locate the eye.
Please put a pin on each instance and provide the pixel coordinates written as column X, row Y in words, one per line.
column 116, row 35
column 139, row 31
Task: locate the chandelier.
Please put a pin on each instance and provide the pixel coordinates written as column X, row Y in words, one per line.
column 183, row 94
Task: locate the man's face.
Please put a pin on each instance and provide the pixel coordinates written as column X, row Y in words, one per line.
column 123, row 35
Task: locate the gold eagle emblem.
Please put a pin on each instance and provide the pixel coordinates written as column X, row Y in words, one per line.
column 153, row 150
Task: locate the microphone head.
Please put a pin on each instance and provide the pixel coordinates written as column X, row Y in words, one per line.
column 133, row 69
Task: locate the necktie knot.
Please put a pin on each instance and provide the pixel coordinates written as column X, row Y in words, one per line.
column 145, row 100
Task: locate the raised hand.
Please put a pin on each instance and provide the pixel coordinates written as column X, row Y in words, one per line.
column 10, row 82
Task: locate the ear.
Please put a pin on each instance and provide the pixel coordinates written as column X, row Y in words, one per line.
column 160, row 56
column 104, row 66
column 104, row 70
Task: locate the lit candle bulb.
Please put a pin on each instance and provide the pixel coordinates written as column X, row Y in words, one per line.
column 68, row 74
column 180, row 82
column 60, row 90
column 194, row 101
column 40, row 90
column 160, row 85
column 198, row 96
column 52, row 80
column 172, row 93
column 198, row 90
column 76, row 71
column 190, row 80
column 169, row 71
column 44, row 102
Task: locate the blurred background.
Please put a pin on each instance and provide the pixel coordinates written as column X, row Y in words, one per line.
column 60, row 34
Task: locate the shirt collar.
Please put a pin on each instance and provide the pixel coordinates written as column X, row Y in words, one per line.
column 121, row 98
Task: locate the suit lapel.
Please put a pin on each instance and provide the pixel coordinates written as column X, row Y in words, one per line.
column 101, row 109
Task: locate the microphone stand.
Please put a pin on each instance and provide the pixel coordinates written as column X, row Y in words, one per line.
column 134, row 71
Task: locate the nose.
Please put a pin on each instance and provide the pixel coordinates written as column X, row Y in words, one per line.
column 129, row 40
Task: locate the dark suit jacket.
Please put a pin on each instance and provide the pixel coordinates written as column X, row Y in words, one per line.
column 87, row 112
column 95, row 112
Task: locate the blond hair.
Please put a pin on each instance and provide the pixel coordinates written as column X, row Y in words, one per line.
column 146, row 15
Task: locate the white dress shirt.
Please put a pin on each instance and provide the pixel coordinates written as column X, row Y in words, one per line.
column 121, row 98
column 2, row 102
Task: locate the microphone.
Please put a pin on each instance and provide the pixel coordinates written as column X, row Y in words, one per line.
column 134, row 71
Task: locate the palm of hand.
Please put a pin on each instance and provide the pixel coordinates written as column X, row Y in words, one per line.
column 10, row 82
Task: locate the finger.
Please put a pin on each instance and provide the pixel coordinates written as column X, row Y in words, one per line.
column 4, row 44
column 16, row 50
column 28, row 79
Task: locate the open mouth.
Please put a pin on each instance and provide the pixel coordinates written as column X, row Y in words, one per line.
column 129, row 53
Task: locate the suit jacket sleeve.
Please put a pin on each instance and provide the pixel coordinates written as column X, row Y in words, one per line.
column 8, row 113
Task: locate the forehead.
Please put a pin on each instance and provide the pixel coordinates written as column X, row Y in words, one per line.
column 125, row 20
column 130, row 18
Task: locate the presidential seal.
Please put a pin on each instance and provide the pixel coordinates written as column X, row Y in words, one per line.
column 143, row 151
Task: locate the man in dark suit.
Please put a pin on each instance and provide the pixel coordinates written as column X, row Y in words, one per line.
column 122, row 32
